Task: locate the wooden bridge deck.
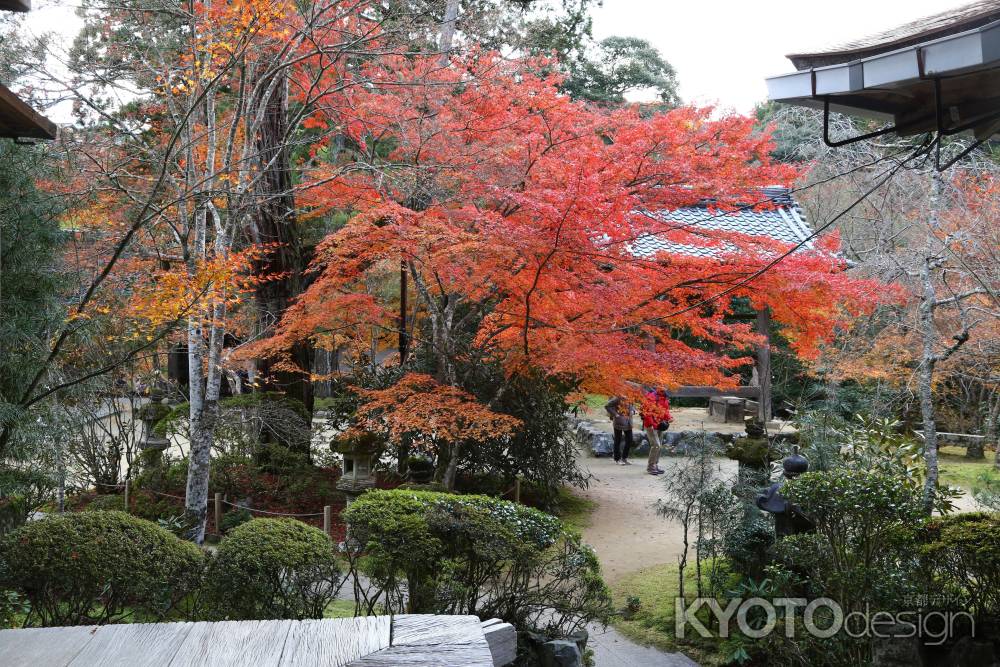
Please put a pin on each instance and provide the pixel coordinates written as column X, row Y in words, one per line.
column 374, row 641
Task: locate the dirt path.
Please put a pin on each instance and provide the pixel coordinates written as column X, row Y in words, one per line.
column 624, row 529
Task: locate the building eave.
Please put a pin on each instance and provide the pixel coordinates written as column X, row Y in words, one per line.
column 899, row 85
column 19, row 121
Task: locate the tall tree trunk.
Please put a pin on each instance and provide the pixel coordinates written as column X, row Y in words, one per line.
column 447, row 36
column 205, row 334
column 206, row 382
column 929, row 357
column 274, row 224
column 763, row 325
column 451, row 472
column 992, row 426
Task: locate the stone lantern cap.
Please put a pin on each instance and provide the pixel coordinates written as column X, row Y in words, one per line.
column 795, row 464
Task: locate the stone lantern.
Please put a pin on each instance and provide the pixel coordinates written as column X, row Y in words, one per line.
column 152, row 445
column 359, row 451
column 788, row 520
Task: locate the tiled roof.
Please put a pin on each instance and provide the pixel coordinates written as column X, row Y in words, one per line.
column 784, row 222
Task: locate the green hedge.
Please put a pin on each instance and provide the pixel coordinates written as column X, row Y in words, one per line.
column 962, row 554
column 454, row 554
column 99, row 567
column 272, row 568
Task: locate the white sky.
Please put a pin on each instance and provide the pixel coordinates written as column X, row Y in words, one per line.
column 723, row 49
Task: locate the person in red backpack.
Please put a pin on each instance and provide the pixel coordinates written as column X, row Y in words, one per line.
column 655, row 419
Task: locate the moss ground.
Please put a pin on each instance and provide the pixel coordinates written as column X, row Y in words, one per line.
column 653, row 623
column 339, row 609
column 574, row 510
column 957, row 470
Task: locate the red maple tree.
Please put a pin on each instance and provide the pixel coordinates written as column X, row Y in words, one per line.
column 516, row 210
column 499, row 190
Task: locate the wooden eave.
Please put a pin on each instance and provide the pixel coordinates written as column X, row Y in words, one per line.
column 20, row 121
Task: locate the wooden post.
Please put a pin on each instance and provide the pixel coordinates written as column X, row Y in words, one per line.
column 328, row 520
column 218, row 513
column 128, row 493
column 517, row 489
column 764, row 412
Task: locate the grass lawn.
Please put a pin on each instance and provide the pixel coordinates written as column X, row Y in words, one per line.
column 339, row 609
column 653, row 623
column 957, row 470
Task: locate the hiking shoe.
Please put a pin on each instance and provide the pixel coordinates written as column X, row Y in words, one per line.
column 659, row 469
column 652, row 472
column 626, row 462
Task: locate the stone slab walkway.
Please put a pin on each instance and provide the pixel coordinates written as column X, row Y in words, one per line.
column 612, row 649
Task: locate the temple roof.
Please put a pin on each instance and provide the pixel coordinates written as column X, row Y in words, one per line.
column 783, row 222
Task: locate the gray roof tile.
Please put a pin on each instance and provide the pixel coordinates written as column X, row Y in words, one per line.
column 784, row 223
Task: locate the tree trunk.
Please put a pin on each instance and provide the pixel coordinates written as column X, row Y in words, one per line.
column 765, row 411
column 928, row 357
column 451, row 472
column 274, row 224
column 992, row 427
column 447, row 36
column 925, row 380
column 205, row 383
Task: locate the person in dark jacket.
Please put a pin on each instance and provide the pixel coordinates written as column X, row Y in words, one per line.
column 620, row 412
column 655, row 420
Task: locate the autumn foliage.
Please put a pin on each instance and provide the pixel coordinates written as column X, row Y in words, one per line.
column 514, row 203
column 514, row 211
column 420, row 408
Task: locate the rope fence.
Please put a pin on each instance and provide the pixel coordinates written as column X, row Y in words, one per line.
column 327, row 513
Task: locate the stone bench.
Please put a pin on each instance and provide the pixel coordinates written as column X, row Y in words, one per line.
column 727, row 409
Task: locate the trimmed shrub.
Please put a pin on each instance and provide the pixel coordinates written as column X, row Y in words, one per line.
column 861, row 556
column 453, row 554
column 234, row 518
column 962, row 554
column 106, row 503
column 272, row 568
column 856, row 555
column 155, row 508
column 99, row 567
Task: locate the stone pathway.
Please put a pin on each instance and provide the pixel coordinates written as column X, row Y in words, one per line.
column 612, row 649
